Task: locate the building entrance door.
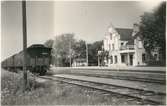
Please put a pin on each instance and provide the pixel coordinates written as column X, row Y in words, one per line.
column 131, row 59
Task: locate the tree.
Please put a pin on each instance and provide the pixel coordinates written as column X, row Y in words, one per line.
column 49, row 43
column 62, row 49
column 92, row 52
column 80, row 49
column 153, row 30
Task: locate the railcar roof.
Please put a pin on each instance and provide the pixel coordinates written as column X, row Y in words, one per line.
column 36, row 45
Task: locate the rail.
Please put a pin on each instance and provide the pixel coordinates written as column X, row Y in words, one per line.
column 127, row 47
column 149, row 96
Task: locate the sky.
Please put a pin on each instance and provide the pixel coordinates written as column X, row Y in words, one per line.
column 88, row 20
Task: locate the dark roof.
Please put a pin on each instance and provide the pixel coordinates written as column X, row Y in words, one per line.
column 125, row 34
column 137, row 35
column 130, row 42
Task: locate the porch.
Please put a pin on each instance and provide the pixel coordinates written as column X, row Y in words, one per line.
column 127, row 58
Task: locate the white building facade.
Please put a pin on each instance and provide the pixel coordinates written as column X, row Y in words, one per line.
column 124, row 47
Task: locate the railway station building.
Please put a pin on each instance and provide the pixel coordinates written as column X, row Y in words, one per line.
column 123, row 47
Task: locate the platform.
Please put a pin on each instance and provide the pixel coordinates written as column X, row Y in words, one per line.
column 157, row 88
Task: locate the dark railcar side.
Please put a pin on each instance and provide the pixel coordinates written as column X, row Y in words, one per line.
column 38, row 59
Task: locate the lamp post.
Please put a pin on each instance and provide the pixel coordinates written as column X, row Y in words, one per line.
column 86, row 53
column 70, row 52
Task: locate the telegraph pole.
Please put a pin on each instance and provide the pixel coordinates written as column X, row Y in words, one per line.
column 24, row 43
column 87, row 54
column 70, row 52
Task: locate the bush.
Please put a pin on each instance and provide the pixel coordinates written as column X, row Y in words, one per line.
column 156, row 63
column 12, row 89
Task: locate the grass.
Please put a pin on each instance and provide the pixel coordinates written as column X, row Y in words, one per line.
column 12, row 89
column 55, row 93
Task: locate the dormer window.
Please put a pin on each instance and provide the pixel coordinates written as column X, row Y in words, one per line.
column 113, row 47
column 111, row 36
column 122, row 44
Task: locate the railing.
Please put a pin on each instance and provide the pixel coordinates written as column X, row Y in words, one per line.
column 103, row 53
column 127, row 47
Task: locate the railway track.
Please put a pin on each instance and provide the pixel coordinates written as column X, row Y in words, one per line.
column 125, row 69
column 142, row 94
column 130, row 78
column 152, row 77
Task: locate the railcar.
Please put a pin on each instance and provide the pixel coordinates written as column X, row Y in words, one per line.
column 38, row 59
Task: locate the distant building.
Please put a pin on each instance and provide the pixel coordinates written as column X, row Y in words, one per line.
column 124, row 47
column 79, row 62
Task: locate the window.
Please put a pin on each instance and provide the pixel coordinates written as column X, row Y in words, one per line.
column 111, row 58
column 155, row 56
column 140, row 44
column 115, row 59
column 122, row 44
column 111, row 36
column 123, row 58
column 112, row 46
column 107, row 58
column 143, row 58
